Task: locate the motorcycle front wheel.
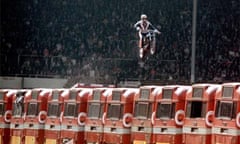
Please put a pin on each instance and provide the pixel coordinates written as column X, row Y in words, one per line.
column 153, row 47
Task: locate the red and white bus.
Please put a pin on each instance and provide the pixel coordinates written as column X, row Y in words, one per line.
column 200, row 103
column 226, row 123
column 142, row 125
column 169, row 114
column 96, row 115
column 119, row 114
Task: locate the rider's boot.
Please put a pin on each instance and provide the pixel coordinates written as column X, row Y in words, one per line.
column 141, row 52
column 152, row 51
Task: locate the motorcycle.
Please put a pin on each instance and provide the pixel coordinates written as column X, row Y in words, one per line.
column 148, row 44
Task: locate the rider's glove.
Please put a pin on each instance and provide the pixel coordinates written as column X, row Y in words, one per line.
column 156, row 31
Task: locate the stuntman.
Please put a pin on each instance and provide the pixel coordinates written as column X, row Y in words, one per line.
column 143, row 26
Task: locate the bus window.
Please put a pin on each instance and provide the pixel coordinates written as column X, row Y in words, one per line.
column 167, row 93
column 165, row 110
column 32, row 109
column 53, row 109
column 1, row 95
column 95, row 110
column 144, row 93
column 73, row 94
column 35, row 94
column 1, row 108
column 143, row 110
column 197, row 92
column 96, row 95
column 227, row 91
column 1, row 104
column 70, row 109
column 226, row 110
column 116, row 95
column 196, row 109
column 114, row 111
column 18, row 106
column 55, row 94
column 18, row 109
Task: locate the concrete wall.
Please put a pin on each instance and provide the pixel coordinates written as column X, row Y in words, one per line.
column 22, row 82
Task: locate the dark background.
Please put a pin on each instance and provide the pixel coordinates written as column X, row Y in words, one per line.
column 77, row 38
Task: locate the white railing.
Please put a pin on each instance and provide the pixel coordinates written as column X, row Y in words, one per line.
column 96, row 68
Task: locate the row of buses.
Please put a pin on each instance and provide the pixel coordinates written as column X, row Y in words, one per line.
column 169, row 114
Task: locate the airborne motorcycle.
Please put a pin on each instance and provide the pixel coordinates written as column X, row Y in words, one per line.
column 148, row 44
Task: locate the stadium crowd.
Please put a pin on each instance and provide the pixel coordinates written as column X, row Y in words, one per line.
column 95, row 40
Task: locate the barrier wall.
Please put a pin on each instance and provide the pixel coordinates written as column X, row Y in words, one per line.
column 22, row 82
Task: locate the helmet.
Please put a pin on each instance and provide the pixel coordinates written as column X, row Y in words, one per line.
column 143, row 16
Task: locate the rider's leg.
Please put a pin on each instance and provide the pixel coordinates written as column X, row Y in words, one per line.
column 140, row 45
column 140, row 40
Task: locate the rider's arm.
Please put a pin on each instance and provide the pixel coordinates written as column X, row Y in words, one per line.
column 153, row 28
column 137, row 26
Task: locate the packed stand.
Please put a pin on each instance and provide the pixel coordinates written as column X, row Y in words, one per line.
column 95, row 39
